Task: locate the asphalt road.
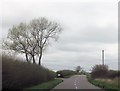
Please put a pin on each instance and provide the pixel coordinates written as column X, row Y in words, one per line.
column 76, row 82
column 0, row 72
column 0, row 79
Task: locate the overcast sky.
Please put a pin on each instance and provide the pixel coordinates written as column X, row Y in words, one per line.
column 88, row 28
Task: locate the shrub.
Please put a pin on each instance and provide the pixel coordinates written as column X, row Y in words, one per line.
column 113, row 74
column 17, row 74
column 99, row 71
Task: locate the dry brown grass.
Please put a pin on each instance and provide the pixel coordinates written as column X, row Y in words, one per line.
column 110, row 81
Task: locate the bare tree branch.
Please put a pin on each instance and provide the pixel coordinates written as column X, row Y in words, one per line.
column 32, row 38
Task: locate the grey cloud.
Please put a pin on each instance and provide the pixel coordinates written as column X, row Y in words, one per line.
column 91, row 35
column 88, row 28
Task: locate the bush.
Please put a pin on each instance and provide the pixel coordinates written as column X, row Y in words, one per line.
column 17, row 74
column 113, row 74
column 99, row 71
column 66, row 73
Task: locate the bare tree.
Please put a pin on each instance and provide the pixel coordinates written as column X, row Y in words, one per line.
column 33, row 38
column 43, row 31
column 78, row 68
column 99, row 71
column 16, row 39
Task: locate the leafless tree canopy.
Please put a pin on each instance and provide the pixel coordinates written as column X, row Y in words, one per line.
column 33, row 38
column 78, row 68
column 99, row 71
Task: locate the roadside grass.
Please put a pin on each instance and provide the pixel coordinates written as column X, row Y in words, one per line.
column 46, row 86
column 114, row 81
column 107, row 84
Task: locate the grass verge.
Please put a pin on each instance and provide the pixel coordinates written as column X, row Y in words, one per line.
column 47, row 86
column 104, row 84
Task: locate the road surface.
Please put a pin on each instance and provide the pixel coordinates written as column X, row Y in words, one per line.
column 0, row 79
column 76, row 83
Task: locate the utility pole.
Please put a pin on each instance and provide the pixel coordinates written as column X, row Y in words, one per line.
column 102, row 57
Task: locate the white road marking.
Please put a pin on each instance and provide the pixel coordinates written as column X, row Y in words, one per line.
column 74, row 82
column 75, row 85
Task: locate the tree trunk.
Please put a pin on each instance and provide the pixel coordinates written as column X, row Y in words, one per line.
column 40, row 58
column 26, row 56
column 33, row 59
